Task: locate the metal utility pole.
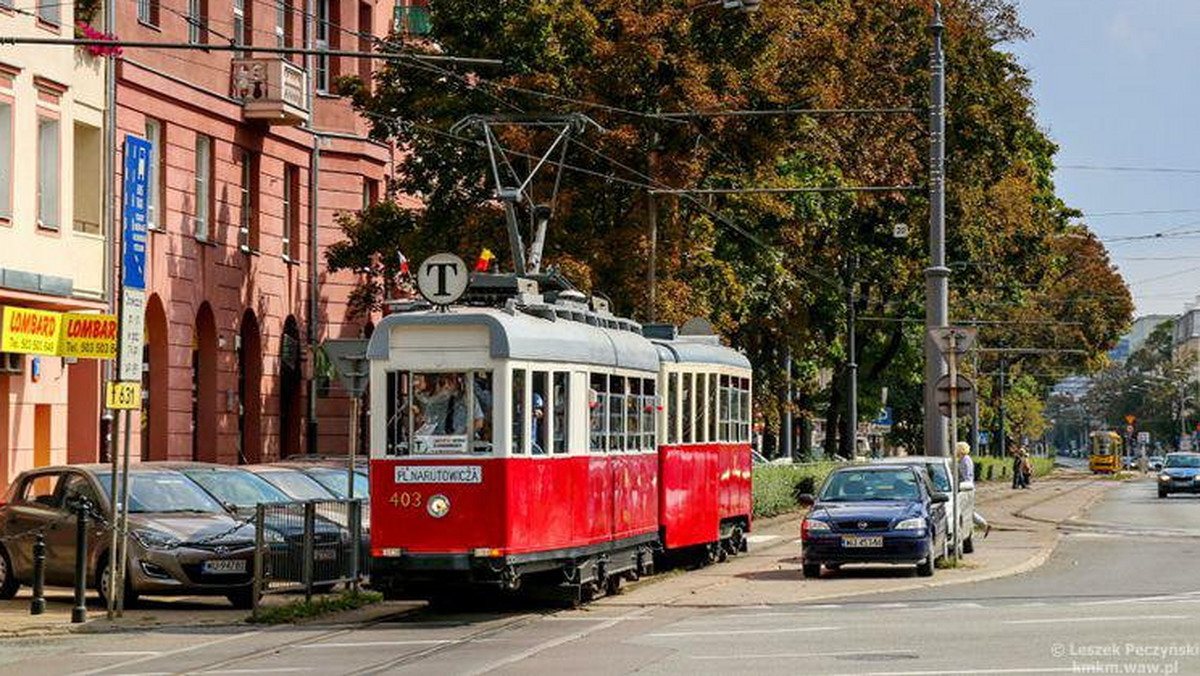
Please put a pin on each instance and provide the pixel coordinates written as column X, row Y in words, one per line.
column 952, row 357
column 937, row 275
column 851, row 362
column 785, row 434
column 1000, row 434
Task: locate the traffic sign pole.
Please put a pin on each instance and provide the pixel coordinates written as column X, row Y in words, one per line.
column 955, row 478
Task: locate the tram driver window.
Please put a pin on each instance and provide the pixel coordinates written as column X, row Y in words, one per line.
column 398, row 412
column 672, row 408
column 649, row 414
column 538, row 424
column 448, row 412
column 518, row 411
column 597, row 411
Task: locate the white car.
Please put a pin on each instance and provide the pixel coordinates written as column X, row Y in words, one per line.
column 939, row 473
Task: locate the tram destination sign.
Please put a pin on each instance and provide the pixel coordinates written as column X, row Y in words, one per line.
column 439, row 474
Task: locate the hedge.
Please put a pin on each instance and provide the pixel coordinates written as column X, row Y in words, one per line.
column 1001, row 468
column 777, row 486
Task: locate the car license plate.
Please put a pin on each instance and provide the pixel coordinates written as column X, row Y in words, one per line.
column 324, row 555
column 223, row 566
column 861, row 541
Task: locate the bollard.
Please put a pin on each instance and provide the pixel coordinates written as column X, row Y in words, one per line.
column 259, row 544
column 38, row 605
column 355, row 542
column 79, row 612
column 310, row 512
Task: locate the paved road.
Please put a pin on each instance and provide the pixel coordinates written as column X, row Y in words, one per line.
column 1108, row 601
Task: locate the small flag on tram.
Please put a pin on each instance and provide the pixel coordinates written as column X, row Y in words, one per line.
column 485, row 260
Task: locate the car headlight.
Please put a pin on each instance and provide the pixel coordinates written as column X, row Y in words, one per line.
column 154, row 539
column 815, row 525
column 438, row 506
column 270, row 535
column 915, row 523
column 1164, row 477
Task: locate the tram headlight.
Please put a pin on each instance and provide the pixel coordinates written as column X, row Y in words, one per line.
column 438, row 506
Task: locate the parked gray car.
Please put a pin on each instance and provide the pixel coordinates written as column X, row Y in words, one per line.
column 183, row 542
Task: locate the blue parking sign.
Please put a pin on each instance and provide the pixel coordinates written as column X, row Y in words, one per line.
column 136, row 184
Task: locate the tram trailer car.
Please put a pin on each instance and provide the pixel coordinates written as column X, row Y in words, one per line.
column 550, row 444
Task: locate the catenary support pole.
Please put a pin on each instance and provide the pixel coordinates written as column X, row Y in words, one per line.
column 851, row 362
column 1000, row 432
column 118, row 571
column 937, row 275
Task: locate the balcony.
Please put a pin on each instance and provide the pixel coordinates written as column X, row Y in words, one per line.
column 271, row 89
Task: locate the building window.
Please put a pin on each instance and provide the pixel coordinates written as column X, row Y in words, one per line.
column 6, row 160
column 49, row 11
column 281, row 23
column 203, row 185
column 49, row 172
column 243, row 25
column 148, row 12
column 197, row 19
column 291, row 212
column 248, row 223
column 322, row 43
column 370, row 192
column 154, row 180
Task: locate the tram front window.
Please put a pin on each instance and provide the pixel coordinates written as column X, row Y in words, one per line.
column 442, row 413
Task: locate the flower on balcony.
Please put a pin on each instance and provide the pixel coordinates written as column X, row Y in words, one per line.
column 84, row 30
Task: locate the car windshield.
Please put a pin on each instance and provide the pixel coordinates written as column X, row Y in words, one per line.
column 240, row 489
column 1183, row 461
column 870, row 486
column 297, row 484
column 941, row 478
column 334, row 480
column 163, row 492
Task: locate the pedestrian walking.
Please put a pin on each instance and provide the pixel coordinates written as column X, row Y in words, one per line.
column 1017, row 474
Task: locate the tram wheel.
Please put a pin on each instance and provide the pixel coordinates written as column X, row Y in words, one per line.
column 612, row 586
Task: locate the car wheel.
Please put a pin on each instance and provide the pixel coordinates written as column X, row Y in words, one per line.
column 969, row 545
column 8, row 577
column 131, row 597
column 1162, row 493
column 812, row 570
column 925, row 568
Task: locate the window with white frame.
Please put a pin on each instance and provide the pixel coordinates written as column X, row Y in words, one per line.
column 6, row 160
column 50, row 11
column 49, row 172
column 281, row 21
column 148, row 12
column 203, row 207
column 197, row 20
column 239, row 24
column 248, row 221
column 322, row 43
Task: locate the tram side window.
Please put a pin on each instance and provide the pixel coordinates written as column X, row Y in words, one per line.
column 538, row 422
column 518, row 411
column 398, row 412
column 672, row 408
column 727, row 414
column 649, row 408
column 451, row 412
column 701, row 433
column 616, row 414
column 598, row 411
column 633, row 415
column 562, row 386
column 745, row 409
column 685, row 409
column 713, row 410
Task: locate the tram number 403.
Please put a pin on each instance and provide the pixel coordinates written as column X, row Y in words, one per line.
column 405, row 499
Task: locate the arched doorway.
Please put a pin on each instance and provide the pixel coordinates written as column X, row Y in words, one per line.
column 290, row 387
column 154, row 381
column 250, row 368
column 204, row 386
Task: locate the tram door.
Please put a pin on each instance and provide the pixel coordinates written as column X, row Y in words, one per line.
column 599, row 488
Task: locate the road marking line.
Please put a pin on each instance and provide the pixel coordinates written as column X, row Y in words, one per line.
column 177, row 651
column 124, row 653
column 1114, row 618
column 764, row 656
column 259, row 670
column 740, row 632
column 759, row 539
column 879, row 606
column 967, row 672
column 553, row 618
column 375, row 644
column 555, row 642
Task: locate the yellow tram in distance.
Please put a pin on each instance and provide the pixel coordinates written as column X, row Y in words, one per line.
column 1106, row 451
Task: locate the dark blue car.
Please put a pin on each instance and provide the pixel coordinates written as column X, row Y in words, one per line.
column 874, row 514
column 1179, row 474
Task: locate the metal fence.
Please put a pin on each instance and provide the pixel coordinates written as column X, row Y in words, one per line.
column 307, row 546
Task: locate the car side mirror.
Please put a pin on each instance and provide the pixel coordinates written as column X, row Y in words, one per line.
column 966, row 486
column 938, row 498
column 806, row 500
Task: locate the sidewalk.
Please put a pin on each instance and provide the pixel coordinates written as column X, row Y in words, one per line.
column 1024, row 533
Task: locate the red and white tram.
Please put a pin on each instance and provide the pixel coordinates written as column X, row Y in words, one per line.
column 547, row 441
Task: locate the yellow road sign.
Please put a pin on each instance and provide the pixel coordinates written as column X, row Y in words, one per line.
column 123, row 395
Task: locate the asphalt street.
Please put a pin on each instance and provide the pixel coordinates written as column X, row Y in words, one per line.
column 1110, row 600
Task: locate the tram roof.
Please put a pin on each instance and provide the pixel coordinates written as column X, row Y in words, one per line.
column 683, row 350
column 523, row 336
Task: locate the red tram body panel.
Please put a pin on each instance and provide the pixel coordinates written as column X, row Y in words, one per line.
column 551, row 442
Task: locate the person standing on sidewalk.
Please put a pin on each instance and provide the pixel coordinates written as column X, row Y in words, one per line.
column 966, row 475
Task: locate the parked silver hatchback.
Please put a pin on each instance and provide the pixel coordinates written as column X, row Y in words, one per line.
column 182, row 541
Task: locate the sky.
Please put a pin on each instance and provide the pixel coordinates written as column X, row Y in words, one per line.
column 1117, row 85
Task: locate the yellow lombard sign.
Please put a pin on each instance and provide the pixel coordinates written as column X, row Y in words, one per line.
column 88, row 336
column 123, row 395
column 30, row 331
